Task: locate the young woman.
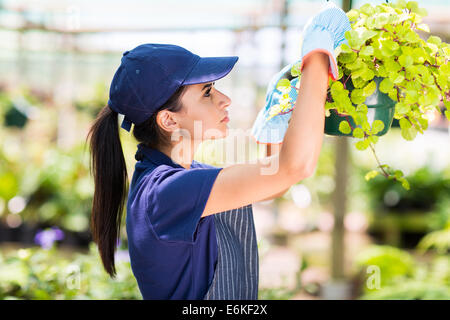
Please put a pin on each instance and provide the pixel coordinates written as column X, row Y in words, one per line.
column 190, row 225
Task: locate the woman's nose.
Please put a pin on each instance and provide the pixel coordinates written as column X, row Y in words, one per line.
column 225, row 101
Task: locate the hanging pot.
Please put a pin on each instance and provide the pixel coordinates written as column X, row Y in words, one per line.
column 380, row 107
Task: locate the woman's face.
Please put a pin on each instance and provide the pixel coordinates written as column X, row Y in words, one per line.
column 203, row 112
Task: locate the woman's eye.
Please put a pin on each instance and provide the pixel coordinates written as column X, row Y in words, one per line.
column 207, row 93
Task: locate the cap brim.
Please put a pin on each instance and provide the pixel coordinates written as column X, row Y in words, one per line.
column 210, row 69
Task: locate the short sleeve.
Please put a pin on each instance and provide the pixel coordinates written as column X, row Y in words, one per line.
column 177, row 200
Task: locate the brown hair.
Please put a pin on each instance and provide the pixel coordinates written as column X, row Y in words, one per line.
column 108, row 167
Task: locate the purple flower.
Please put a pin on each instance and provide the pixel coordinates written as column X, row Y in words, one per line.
column 46, row 238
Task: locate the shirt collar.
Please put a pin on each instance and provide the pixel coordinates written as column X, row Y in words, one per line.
column 155, row 156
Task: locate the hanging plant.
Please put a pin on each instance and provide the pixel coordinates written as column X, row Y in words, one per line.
column 386, row 71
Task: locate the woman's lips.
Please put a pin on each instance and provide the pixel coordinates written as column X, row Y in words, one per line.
column 226, row 119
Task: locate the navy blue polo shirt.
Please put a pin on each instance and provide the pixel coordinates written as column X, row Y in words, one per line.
column 173, row 251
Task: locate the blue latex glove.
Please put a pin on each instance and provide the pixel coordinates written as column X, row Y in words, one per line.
column 324, row 32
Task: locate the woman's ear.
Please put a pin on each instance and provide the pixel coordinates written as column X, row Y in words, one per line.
column 166, row 120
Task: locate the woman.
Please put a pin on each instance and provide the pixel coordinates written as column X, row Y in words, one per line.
column 190, row 225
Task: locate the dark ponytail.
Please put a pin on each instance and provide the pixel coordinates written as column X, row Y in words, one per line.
column 111, row 184
column 108, row 167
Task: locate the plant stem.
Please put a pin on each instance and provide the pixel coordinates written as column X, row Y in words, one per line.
column 435, row 81
column 346, row 81
column 378, row 161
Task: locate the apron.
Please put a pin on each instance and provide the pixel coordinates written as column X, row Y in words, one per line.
column 237, row 268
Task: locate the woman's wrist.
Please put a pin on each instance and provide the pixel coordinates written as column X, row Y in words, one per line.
column 316, row 62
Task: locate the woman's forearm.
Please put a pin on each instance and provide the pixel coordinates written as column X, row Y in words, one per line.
column 303, row 139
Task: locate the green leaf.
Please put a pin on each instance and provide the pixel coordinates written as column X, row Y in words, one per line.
column 407, row 51
column 362, row 145
column 423, row 122
column 412, row 5
column 393, row 94
column 382, row 72
column 386, row 85
column 367, row 9
column 377, row 126
column 358, row 63
column 366, row 125
column 390, row 44
column 405, row 61
column 284, row 85
column 411, row 97
column 432, row 47
column 367, row 74
column 435, row 40
column 353, row 15
column 408, row 131
column 441, row 79
column 402, row 108
column 358, row 133
column 396, row 78
column 405, row 183
column 295, row 70
column 404, row 123
column 360, row 118
column 359, row 83
column 344, row 127
column 370, row 88
column 447, row 114
column 381, row 19
column 398, row 174
column 366, row 51
column 367, row 34
column 411, row 36
column 345, row 48
column 345, row 57
column 357, row 96
column 423, row 27
column 353, row 39
column 391, row 65
column 362, row 107
column 373, row 139
column 370, row 175
column 336, row 87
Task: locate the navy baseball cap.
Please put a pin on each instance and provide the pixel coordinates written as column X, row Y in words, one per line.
column 150, row 74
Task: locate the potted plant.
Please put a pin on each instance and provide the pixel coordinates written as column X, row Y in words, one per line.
column 386, row 72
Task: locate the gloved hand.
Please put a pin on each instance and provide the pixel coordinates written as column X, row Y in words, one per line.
column 324, row 32
column 268, row 128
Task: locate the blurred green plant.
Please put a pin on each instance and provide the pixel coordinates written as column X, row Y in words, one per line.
column 399, row 275
column 412, row 290
column 57, row 191
column 275, row 294
column 60, row 191
column 427, row 187
column 395, row 211
column 41, row 274
column 17, row 107
column 438, row 240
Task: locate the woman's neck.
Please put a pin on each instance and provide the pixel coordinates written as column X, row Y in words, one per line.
column 182, row 152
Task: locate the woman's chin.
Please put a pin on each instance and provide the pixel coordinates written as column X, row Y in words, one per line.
column 223, row 134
